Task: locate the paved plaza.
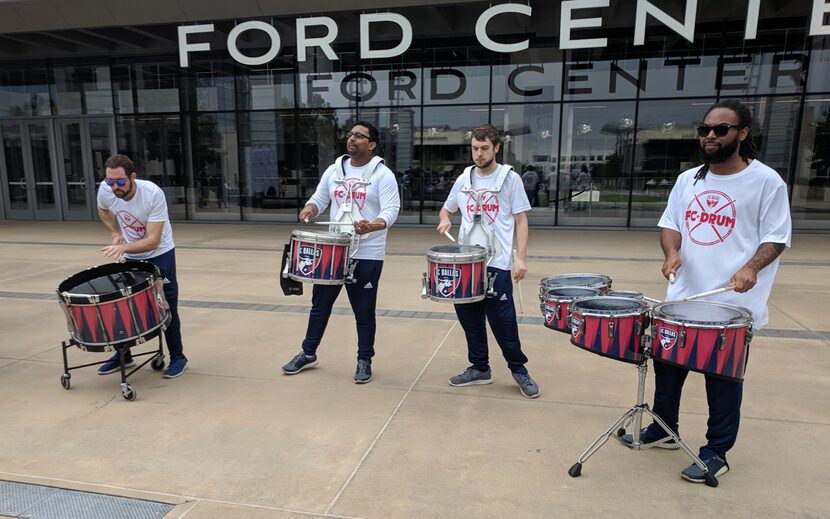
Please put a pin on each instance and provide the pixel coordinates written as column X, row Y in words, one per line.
column 235, row 438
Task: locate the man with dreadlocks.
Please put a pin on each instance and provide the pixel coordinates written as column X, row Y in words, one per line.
column 726, row 223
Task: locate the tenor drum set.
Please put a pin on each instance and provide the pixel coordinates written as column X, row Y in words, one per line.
column 113, row 308
column 707, row 337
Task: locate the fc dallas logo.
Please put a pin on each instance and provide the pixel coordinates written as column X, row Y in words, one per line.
column 710, row 217
column 358, row 193
column 309, row 259
column 448, row 279
column 576, row 325
column 489, row 206
column 132, row 226
column 667, row 338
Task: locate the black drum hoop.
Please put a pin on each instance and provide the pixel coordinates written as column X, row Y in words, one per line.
column 108, row 269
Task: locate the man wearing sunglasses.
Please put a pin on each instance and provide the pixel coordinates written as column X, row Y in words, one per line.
column 135, row 213
column 372, row 191
column 726, row 224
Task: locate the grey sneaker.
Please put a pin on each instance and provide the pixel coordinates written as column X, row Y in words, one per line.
column 363, row 373
column 648, row 441
column 470, row 377
column 716, row 465
column 300, row 362
column 526, row 385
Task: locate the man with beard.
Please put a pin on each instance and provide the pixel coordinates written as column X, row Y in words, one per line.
column 505, row 211
column 726, row 223
column 379, row 204
column 135, row 213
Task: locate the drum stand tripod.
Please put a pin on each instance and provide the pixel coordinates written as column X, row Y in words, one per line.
column 635, row 415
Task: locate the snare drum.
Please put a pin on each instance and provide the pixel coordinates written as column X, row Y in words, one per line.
column 610, row 326
column 456, row 273
column 703, row 336
column 555, row 306
column 319, row 257
column 600, row 282
column 114, row 305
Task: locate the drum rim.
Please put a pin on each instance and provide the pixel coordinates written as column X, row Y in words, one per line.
column 460, row 257
column 568, row 299
column 594, row 274
column 628, row 312
column 103, row 270
column 640, row 295
column 324, row 237
column 741, row 322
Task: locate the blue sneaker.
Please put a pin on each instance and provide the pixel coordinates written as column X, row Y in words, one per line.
column 176, row 368
column 471, row 376
column 648, row 441
column 300, row 362
column 526, row 385
column 363, row 373
column 113, row 365
column 716, row 465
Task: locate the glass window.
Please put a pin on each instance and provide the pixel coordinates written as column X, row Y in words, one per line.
column 773, row 63
column 775, row 126
column 215, row 181
column 268, row 153
column 444, row 153
column 397, row 85
column 526, row 79
column 681, row 76
column 818, row 79
column 322, row 138
column 210, row 85
column 811, row 191
column 155, row 145
column 612, row 72
column 530, row 143
column 122, row 84
column 25, row 92
column 84, row 89
column 266, row 88
column 666, row 145
column 400, row 138
column 157, row 86
column 459, row 75
column 595, row 163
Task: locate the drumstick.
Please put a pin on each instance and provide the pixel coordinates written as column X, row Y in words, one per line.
column 519, row 284
column 710, row 293
column 671, row 277
column 448, row 235
column 333, row 223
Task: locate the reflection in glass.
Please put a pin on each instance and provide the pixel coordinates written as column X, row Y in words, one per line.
column 42, row 166
column 73, row 165
column 667, row 145
column 210, row 85
column 269, row 163
column 15, row 172
column 322, row 140
column 82, row 90
column 266, row 88
column 597, row 147
column 532, row 150
column 25, row 92
column 215, row 164
column 157, row 86
column 811, row 192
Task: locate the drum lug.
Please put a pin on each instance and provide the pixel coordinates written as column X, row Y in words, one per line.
column 94, row 299
column 610, row 328
column 681, row 340
column 721, row 340
column 647, row 341
column 556, row 312
column 491, row 281
column 748, row 336
column 424, row 286
column 350, row 272
column 287, row 263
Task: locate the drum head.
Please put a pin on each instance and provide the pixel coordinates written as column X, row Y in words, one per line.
column 702, row 312
column 322, row 236
column 107, row 281
column 606, row 305
column 449, row 253
column 578, row 280
column 569, row 293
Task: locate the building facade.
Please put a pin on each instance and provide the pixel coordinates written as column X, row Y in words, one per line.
column 237, row 109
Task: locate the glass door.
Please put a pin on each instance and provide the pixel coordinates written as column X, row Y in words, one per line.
column 83, row 147
column 27, row 170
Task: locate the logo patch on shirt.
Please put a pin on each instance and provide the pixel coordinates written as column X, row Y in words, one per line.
column 132, row 226
column 710, row 217
column 489, row 206
column 358, row 193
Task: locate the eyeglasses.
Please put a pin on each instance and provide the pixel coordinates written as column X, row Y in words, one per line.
column 357, row 135
column 719, row 129
column 120, row 181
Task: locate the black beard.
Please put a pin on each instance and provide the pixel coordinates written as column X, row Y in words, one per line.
column 722, row 154
column 487, row 165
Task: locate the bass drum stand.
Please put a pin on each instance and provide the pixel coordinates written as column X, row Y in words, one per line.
column 635, row 415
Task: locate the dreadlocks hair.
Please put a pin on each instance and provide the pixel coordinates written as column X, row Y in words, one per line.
column 746, row 148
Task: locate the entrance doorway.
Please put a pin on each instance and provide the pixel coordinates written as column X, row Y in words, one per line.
column 83, row 146
column 28, row 171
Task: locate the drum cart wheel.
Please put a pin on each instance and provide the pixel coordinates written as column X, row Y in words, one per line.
column 65, row 381
column 128, row 392
column 157, row 363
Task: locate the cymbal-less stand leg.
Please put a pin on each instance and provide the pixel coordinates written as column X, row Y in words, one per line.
column 635, row 414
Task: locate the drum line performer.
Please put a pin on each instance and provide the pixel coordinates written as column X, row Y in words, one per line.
column 135, row 213
column 727, row 219
column 380, row 207
column 507, row 210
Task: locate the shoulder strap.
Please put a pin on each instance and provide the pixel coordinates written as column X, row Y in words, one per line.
column 504, row 170
column 338, row 167
column 372, row 166
column 467, row 177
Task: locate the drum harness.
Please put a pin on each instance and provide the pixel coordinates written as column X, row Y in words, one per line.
column 473, row 231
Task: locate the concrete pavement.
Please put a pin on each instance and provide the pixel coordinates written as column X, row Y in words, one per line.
column 234, row 437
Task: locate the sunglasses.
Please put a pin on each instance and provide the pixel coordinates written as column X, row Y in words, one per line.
column 356, row 135
column 719, row 129
column 120, row 181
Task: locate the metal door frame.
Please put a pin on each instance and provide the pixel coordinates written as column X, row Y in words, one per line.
column 31, row 213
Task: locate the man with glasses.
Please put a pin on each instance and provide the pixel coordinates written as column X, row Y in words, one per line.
column 726, row 223
column 135, row 213
column 362, row 182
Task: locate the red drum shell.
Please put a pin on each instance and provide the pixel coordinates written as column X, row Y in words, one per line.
column 610, row 326
column 554, row 306
column 703, row 336
column 456, row 273
column 319, row 257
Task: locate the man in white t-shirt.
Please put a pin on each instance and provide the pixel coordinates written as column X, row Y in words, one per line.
column 378, row 203
column 504, row 212
column 726, row 223
column 135, row 213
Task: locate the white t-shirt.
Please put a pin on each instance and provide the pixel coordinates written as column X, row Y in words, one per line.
column 147, row 205
column 723, row 220
column 379, row 199
column 498, row 210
